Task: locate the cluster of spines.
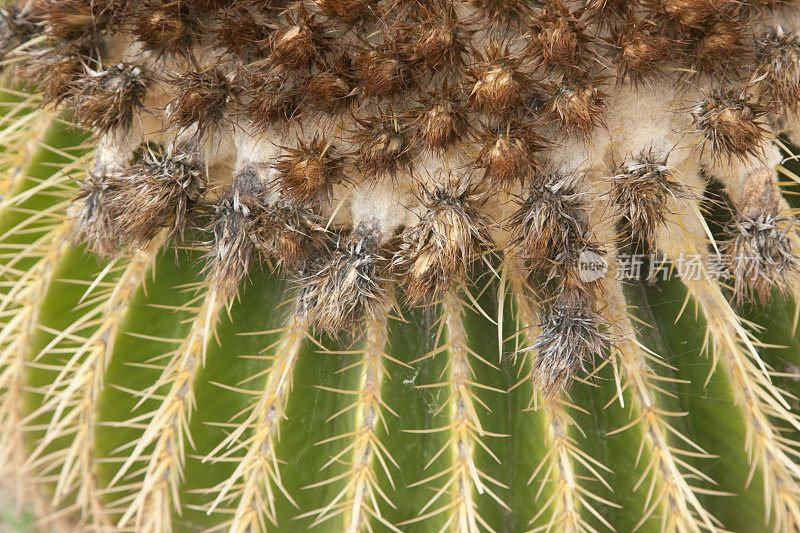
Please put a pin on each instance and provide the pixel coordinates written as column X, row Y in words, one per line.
column 245, row 227
column 129, row 207
column 22, row 299
column 462, row 480
column 673, row 485
column 361, row 497
column 762, row 255
column 294, row 66
column 342, row 285
column 551, row 237
column 641, row 192
column 443, row 245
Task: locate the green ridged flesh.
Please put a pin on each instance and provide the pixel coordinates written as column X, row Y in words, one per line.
column 712, row 420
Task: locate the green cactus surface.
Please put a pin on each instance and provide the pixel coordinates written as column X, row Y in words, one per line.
column 399, row 265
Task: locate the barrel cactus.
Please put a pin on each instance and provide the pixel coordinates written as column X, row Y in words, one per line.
column 395, row 265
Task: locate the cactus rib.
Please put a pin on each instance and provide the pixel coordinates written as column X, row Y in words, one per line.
column 150, row 509
column 258, row 469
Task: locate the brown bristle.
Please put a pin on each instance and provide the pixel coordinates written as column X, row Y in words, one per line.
column 641, row 192
column 572, row 335
column 499, row 14
column 437, row 36
column 208, row 6
column 165, row 26
column 439, row 120
column 760, row 6
column 328, row 92
column 235, row 239
column 17, row 27
column 769, row 4
column 289, row 233
column 546, row 217
column 382, row 145
column 339, row 289
column 687, row 13
column 272, row 100
column 440, row 249
column 344, row 11
column 309, row 171
column 641, row 48
column 71, row 20
column 559, row 40
column 95, row 223
column 202, row 98
column 245, row 227
column 382, row 73
column 605, row 9
column 499, row 84
column 762, row 256
column 578, row 106
column 299, row 43
column 778, row 55
column 56, row 71
column 731, row 124
column 238, row 32
column 109, row 99
column 550, row 231
column 159, row 192
column 719, row 47
column 507, row 154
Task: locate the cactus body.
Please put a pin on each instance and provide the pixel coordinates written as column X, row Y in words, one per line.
column 485, row 265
